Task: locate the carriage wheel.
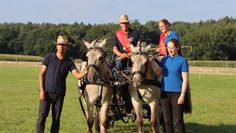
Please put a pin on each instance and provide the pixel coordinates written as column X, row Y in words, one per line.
column 134, row 117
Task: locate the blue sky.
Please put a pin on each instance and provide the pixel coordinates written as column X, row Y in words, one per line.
column 108, row 11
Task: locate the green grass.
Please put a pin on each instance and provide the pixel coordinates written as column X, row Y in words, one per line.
column 214, row 103
column 213, row 97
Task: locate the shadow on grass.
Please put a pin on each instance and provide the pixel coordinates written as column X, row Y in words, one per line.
column 129, row 128
column 190, row 128
column 200, row 128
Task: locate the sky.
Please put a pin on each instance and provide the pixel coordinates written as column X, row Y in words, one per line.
column 108, row 11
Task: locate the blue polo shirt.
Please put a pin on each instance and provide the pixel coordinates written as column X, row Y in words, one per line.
column 170, row 36
column 56, row 73
column 172, row 73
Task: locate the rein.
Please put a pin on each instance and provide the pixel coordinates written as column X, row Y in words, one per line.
column 94, row 66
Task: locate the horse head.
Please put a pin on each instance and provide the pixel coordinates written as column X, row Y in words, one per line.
column 96, row 57
column 139, row 61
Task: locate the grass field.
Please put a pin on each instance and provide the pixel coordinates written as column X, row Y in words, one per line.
column 213, row 97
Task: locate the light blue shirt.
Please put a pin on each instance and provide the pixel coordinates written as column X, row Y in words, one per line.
column 170, row 36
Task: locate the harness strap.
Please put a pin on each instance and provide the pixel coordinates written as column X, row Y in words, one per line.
column 80, row 101
column 81, row 105
column 140, row 96
column 138, row 72
column 100, row 95
column 127, row 77
column 152, row 82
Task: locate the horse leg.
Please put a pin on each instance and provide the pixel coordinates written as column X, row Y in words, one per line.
column 107, row 92
column 89, row 111
column 137, row 105
column 154, row 116
column 103, row 117
column 89, row 115
column 91, row 94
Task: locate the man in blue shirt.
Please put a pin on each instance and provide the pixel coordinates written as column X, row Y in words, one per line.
column 52, row 82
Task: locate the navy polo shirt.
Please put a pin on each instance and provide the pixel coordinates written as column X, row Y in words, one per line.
column 133, row 36
column 56, row 73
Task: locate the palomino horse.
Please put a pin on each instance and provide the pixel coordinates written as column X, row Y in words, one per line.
column 97, row 89
column 142, row 92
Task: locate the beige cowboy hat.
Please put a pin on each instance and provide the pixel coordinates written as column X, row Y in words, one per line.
column 124, row 19
column 62, row 40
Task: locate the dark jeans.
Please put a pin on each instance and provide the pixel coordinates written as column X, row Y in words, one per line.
column 121, row 64
column 172, row 112
column 44, row 106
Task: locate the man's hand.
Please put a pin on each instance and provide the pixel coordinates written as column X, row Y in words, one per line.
column 42, row 95
column 85, row 71
column 151, row 58
column 123, row 56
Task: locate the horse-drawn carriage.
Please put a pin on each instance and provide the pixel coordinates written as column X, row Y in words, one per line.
column 108, row 90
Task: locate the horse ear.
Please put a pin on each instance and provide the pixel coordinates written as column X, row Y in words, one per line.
column 148, row 47
column 103, row 43
column 87, row 44
column 132, row 47
column 139, row 43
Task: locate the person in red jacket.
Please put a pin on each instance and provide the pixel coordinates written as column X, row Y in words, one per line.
column 165, row 36
column 122, row 39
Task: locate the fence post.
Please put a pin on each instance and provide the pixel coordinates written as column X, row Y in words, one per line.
column 1, row 66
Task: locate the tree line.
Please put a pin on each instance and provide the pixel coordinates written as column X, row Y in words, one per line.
column 209, row 40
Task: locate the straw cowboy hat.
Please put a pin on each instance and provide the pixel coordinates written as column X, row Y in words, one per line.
column 62, row 40
column 124, row 19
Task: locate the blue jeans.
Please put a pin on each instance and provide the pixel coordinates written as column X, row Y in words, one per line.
column 56, row 101
column 121, row 64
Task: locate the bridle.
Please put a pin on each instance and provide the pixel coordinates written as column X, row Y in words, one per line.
column 146, row 64
column 95, row 66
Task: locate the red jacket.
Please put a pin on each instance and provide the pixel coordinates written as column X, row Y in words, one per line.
column 162, row 46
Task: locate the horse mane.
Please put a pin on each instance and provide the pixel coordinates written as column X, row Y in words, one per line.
column 150, row 75
column 96, row 47
column 106, row 72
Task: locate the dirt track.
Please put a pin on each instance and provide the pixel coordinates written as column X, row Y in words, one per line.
column 193, row 69
column 212, row 70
